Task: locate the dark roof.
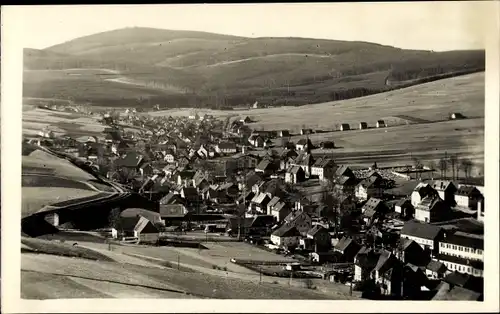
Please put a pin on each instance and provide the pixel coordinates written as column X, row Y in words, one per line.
column 304, row 159
column 442, row 185
column 281, row 205
column 346, row 181
column 324, row 162
column 344, row 170
column 294, row 169
column 315, row 229
column 465, row 239
column 373, row 204
column 344, row 243
column 275, row 200
column 187, row 174
column 402, row 201
column 227, row 145
column 436, row 266
column 170, row 198
column 467, row 190
column 128, row 223
column 190, row 192
column 264, row 165
column 464, row 280
column 420, row 230
column 372, row 181
column 286, row 230
column 145, row 225
column 131, row 159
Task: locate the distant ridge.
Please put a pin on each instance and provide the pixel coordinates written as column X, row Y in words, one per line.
column 219, row 71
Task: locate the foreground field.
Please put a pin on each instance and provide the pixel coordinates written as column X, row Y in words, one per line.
column 64, row 277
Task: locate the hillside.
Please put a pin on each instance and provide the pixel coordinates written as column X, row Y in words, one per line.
column 218, row 70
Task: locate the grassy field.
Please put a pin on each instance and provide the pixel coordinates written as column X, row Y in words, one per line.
column 137, row 281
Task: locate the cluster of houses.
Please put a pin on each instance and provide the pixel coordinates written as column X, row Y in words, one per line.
column 429, row 240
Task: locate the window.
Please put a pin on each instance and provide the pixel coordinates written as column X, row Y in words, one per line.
column 468, row 269
column 479, row 251
column 466, row 249
column 454, row 247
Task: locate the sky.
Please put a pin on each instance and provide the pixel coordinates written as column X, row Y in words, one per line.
column 435, row 26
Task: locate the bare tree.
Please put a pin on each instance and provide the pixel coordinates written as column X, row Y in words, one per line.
column 443, row 166
column 432, row 166
column 466, row 165
column 454, row 162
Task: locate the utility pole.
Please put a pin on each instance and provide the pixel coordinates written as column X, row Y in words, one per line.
column 178, row 261
column 260, row 274
column 291, row 276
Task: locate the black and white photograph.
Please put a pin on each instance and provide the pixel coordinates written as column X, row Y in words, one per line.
column 288, row 151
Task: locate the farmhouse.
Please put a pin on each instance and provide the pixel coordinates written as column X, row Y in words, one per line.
column 345, row 184
column 363, row 125
column 432, row 209
column 345, row 127
column 381, row 124
column 286, row 236
column 305, row 161
column 280, row 211
column 324, row 168
column 146, row 231
column 404, row 208
column 369, row 187
column 468, row 196
column 226, row 148
column 348, row 248
column 421, row 190
column 446, row 190
column 373, row 208
column 294, row 174
column 344, row 170
column 304, row 144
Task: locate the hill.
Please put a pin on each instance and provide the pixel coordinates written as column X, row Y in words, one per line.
column 179, row 68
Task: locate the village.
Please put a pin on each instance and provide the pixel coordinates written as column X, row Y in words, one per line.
column 396, row 232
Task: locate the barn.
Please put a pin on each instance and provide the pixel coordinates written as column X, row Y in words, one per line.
column 363, row 125
column 381, row 124
column 345, row 127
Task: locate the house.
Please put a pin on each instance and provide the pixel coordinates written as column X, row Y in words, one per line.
column 404, row 208
column 124, row 227
column 374, row 208
column 348, row 247
column 265, row 167
column 369, row 187
column 226, row 148
column 435, row 269
column 381, row 124
column 146, row 169
column 283, row 133
column 301, row 220
column 304, row 144
column 259, row 203
column 364, row 264
column 280, row 211
column 203, row 152
column 426, row 235
column 294, row 174
column 250, row 226
column 190, row 194
column 286, row 236
column 432, row 209
column 327, row 145
column 256, row 140
column 421, row 190
column 346, row 203
column 411, row 252
column 344, row 171
column 305, row 131
column 388, row 274
column 363, row 125
column 305, row 161
column 466, row 281
column 324, row 168
column 320, row 238
column 345, row 184
column 146, row 231
column 171, row 198
column 185, row 178
column 345, row 127
column 468, row 196
column 131, row 160
column 246, row 120
column 445, row 189
column 275, row 200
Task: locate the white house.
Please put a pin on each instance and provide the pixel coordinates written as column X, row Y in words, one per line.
column 286, row 236
column 426, row 235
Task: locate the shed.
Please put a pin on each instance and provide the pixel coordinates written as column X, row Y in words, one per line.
column 381, row 124
column 456, row 116
column 363, row 125
column 345, row 127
